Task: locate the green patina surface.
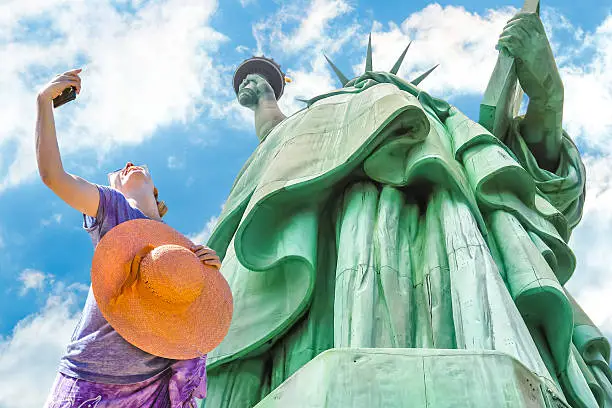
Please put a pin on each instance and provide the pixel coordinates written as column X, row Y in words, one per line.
column 379, row 217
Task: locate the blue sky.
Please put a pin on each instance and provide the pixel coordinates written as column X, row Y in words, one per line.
column 157, row 90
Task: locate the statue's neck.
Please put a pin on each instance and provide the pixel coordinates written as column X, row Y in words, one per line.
column 267, row 116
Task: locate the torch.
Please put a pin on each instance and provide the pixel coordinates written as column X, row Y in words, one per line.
column 267, row 68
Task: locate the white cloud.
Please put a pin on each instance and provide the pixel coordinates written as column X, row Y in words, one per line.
column 33, row 279
column 202, row 236
column 591, row 241
column 315, row 22
column 55, row 218
column 144, row 70
column 30, row 356
column 588, row 87
column 315, row 28
column 242, row 49
column 174, row 163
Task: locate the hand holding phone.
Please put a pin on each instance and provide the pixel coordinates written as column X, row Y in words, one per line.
column 63, row 88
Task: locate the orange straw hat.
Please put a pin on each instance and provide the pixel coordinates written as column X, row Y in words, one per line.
column 156, row 293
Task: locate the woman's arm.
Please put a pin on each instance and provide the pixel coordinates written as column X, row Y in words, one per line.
column 75, row 191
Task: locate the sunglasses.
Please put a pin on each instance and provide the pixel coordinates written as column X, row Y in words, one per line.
column 113, row 176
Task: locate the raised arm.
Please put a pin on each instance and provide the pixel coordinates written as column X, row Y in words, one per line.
column 256, row 94
column 524, row 38
column 75, row 191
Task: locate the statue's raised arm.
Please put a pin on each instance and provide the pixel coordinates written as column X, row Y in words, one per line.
column 259, row 83
column 524, row 39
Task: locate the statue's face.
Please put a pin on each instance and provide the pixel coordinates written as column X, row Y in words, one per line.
column 252, row 89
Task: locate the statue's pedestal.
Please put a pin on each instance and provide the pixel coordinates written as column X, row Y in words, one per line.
column 342, row 378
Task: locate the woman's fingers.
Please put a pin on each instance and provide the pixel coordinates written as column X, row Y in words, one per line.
column 68, row 78
column 200, row 247
column 62, row 85
column 67, row 81
column 210, row 259
column 207, row 255
column 213, row 262
column 73, row 78
column 203, row 250
column 73, row 71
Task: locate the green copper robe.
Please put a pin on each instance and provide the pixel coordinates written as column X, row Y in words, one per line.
column 379, row 216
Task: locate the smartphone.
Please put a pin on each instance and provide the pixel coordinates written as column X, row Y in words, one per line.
column 69, row 94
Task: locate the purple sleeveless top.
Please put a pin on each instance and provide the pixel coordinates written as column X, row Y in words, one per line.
column 96, row 351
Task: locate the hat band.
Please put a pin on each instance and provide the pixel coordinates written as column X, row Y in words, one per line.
column 133, row 271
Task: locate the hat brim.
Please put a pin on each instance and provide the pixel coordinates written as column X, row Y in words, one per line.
column 263, row 67
column 155, row 328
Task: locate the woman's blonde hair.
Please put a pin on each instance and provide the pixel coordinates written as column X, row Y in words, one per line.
column 161, row 206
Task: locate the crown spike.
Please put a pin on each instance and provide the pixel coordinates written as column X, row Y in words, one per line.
column 343, row 79
column 420, row 79
column 399, row 61
column 368, row 67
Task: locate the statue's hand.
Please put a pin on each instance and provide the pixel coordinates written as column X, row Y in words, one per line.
column 253, row 89
column 524, row 39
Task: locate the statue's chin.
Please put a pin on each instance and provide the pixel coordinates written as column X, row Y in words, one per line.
column 247, row 97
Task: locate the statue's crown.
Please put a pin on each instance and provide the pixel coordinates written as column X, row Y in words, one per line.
column 368, row 67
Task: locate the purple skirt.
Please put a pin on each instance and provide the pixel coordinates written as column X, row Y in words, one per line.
column 176, row 387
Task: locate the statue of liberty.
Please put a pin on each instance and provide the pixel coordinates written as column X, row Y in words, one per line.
column 384, row 250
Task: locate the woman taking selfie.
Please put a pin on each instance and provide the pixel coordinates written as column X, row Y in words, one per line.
column 105, row 364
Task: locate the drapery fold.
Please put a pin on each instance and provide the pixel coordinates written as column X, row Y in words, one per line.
column 278, row 197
